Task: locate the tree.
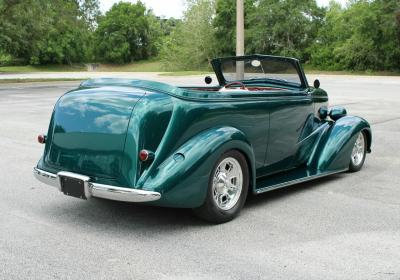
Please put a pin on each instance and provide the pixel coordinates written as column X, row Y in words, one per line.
column 364, row 36
column 65, row 37
column 284, row 27
column 90, row 12
column 40, row 31
column 225, row 25
column 192, row 44
column 126, row 33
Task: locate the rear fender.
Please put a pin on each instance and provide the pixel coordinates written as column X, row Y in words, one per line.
column 333, row 150
column 182, row 178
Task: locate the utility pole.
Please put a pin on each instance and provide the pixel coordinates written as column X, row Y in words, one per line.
column 240, row 38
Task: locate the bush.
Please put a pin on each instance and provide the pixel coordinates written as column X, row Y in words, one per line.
column 192, row 44
column 127, row 32
column 5, row 59
column 364, row 36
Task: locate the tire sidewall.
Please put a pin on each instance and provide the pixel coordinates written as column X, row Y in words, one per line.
column 227, row 215
column 352, row 166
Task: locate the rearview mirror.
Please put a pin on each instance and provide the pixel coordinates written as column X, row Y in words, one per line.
column 317, row 83
column 208, row 80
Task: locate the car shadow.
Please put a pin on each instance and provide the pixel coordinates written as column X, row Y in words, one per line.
column 120, row 217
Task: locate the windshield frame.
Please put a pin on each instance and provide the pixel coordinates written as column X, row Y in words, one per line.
column 218, row 62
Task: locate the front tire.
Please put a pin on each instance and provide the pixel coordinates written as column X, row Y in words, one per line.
column 358, row 153
column 227, row 189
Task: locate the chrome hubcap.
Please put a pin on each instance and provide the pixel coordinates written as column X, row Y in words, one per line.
column 227, row 183
column 357, row 155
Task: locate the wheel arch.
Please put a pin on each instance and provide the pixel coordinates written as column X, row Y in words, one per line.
column 368, row 134
column 184, row 182
column 334, row 148
column 251, row 169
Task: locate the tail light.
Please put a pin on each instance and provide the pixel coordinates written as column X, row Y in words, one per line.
column 145, row 155
column 41, row 138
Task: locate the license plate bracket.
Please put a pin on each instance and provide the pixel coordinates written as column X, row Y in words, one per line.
column 73, row 187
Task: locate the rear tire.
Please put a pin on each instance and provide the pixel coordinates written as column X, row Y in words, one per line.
column 227, row 189
column 358, row 153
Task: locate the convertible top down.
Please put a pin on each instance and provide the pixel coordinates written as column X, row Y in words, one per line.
column 204, row 148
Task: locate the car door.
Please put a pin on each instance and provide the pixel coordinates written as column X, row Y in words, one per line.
column 291, row 119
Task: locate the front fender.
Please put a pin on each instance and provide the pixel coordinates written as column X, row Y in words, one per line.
column 335, row 146
column 182, row 179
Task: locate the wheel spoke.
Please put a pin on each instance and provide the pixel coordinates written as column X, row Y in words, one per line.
column 358, row 152
column 227, row 183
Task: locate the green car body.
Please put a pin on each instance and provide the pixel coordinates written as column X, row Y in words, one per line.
column 99, row 129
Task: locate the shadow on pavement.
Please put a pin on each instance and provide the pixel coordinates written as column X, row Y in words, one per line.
column 119, row 217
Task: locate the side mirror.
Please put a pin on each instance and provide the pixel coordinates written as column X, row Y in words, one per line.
column 337, row 112
column 317, row 84
column 208, row 80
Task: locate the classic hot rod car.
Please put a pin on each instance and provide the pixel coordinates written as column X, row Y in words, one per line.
column 195, row 147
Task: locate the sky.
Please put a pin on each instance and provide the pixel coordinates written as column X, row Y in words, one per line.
column 172, row 8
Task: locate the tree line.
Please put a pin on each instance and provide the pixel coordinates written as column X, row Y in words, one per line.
column 364, row 35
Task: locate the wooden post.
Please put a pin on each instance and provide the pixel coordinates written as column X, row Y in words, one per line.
column 240, row 38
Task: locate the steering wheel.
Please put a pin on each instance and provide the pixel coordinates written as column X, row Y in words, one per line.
column 229, row 85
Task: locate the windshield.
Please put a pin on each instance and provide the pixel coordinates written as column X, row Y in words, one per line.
column 260, row 69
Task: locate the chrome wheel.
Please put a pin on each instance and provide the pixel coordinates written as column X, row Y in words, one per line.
column 358, row 153
column 227, row 183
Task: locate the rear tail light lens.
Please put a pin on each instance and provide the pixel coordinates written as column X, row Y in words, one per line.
column 145, row 155
column 41, row 138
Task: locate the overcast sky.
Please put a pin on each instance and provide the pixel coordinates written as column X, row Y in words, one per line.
column 172, row 8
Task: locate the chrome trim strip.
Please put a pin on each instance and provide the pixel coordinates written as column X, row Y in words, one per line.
column 97, row 190
column 298, row 181
column 122, row 194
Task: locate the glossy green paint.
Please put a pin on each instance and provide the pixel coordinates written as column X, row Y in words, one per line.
column 333, row 149
column 99, row 129
column 337, row 112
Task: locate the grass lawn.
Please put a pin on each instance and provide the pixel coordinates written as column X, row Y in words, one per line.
column 12, row 81
column 140, row 66
column 186, row 73
column 156, row 66
column 311, row 70
column 42, row 68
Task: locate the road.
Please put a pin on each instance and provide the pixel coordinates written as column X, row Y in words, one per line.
column 346, row 226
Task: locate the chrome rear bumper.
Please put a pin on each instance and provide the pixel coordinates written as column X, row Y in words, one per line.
column 97, row 190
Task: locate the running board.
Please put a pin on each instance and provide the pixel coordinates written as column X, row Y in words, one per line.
column 292, row 177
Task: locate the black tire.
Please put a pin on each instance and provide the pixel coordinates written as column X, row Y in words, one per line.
column 353, row 167
column 210, row 211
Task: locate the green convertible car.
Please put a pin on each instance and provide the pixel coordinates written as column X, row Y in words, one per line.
column 195, row 147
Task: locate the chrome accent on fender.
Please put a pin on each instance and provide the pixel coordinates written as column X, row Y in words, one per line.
column 95, row 189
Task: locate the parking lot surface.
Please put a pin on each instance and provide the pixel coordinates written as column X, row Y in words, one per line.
column 346, row 226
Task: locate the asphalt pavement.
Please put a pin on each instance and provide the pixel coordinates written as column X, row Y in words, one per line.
column 346, row 226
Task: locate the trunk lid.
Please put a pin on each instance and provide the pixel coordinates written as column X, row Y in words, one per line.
column 88, row 131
